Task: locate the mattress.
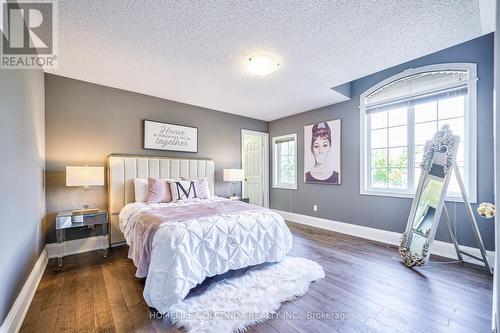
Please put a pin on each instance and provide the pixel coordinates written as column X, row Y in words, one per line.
column 196, row 239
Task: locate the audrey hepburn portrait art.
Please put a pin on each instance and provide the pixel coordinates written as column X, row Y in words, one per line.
column 322, row 152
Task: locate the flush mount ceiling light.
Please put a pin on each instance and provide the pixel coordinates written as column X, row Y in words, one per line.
column 262, row 64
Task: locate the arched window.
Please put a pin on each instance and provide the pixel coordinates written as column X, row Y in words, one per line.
column 399, row 114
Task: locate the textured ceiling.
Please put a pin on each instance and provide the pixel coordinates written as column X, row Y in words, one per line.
column 192, row 51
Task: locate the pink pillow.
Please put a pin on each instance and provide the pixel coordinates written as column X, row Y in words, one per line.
column 158, row 191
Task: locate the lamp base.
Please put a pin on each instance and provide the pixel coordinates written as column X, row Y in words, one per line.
column 85, row 211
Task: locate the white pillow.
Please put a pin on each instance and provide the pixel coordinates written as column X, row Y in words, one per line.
column 140, row 189
column 202, row 188
column 189, row 189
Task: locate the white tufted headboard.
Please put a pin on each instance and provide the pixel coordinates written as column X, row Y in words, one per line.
column 122, row 169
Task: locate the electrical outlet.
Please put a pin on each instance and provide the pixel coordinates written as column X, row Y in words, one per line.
column 315, row 208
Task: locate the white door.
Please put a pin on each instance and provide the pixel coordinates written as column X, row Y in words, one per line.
column 255, row 167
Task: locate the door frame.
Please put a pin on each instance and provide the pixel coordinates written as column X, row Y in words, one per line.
column 496, row 168
column 265, row 163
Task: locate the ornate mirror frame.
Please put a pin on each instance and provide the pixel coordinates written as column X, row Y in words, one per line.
column 436, row 166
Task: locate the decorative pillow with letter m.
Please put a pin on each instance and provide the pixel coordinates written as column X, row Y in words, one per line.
column 189, row 189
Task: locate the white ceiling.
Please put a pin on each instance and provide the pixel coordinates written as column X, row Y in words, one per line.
column 192, row 51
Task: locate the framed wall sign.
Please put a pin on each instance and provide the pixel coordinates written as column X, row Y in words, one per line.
column 163, row 136
column 322, row 152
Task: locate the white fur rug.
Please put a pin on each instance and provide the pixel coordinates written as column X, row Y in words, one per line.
column 239, row 303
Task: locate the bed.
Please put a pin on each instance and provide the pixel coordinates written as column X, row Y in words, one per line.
column 191, row 239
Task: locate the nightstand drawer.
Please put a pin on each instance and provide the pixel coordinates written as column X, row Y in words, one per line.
column 247, row 200
column 64, row 221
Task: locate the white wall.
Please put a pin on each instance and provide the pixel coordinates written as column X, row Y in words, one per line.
column 22, row 193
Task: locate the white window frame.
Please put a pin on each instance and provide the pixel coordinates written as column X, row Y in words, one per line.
column 470, row 128
column 276, row 183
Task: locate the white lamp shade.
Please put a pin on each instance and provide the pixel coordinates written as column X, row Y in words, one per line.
column 233, row 175
column 84, row 176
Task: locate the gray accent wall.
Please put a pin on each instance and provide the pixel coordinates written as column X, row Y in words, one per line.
column 344, row 202
column 86, row 122
column 22, row 195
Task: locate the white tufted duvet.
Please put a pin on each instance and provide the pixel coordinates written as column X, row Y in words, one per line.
column 184, row 253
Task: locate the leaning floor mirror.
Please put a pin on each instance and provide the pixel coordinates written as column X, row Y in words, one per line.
column 436, row 167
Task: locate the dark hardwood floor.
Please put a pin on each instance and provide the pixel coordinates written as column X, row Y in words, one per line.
column 366, row 289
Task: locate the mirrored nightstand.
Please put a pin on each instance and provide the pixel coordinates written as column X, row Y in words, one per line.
column 66, row 220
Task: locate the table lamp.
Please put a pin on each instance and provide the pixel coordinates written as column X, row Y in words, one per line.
column 84, row 176
column 233, row 176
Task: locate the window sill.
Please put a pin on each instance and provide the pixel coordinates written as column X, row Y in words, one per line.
column 285, row 187
column 449, row 198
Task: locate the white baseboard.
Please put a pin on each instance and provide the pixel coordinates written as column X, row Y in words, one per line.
column 15, row 317
column 494, row 310
column 77, row 246
column 119, row 244
column 438, row 248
